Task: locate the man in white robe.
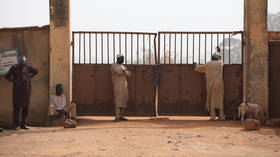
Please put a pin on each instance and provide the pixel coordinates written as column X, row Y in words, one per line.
column 120, row 87
column 215, row 85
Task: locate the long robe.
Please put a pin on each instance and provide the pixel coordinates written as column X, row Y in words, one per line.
column 21, row 76
column 214, row 83
column 120, row 87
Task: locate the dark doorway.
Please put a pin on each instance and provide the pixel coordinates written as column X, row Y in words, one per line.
column 274, row 79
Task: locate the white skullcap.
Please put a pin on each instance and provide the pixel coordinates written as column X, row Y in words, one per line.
column 120, row 55
column 217, row 55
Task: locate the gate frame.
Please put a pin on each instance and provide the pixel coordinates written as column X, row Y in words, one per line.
column 229, row 33
column 157, row 64
column 102, row 64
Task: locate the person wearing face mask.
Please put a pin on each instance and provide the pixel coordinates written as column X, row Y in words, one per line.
column 58, row 106
column 120, row 87
column 20, row 75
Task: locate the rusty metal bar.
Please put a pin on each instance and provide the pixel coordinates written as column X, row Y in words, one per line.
column 155, row 50
column 164, row 49
column 131, row 49
column 114, row 50
column 242, row 50
column 193, row 48
column 169, row 48
column 217, row 39
column 108, row 44
column 187, row 48
column 120, row 43
column 150, row 49
column 143, row 49
column 205, row 55
column 199, row 48
column 181, row 51
column 101, row 48
column 84, row 48
column 137, row 49
column 79, row 48
column 96, row 48
column 229, row 56
column 90, row 48
column 211, row 44
column 125, row 48
column 175, row 48
column 73, row 48
column 159, row 36
column 224, row 47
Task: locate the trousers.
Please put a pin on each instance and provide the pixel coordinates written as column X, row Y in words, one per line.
column 16, row 113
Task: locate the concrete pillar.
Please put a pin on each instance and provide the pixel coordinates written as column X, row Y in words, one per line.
column 256, row 52
column 60, row 45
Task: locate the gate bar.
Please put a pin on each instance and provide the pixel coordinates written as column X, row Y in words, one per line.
column 187, row 48
column 181, row 60
column 229, row 49
column 84, row 48
column 101, row 48
column 150, row 49
column 175, row 48
column 205, row 36
column 108, row 44
column 131, row 48
column 143, row 49
column 89, row 48
column 95, row 48
column 193, row 49
column 73, row 48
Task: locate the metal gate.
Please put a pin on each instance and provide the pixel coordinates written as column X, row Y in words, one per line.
column 93, row 52
column 274, row 77
column 182, row 91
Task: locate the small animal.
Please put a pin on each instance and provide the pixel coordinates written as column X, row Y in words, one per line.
column 254, row 111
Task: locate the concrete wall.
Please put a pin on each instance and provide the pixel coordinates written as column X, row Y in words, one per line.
column 60, row 45
column 33, row 42
column 256, row 52
column 48, row 50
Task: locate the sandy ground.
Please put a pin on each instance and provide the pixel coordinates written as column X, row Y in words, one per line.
column 178, row 137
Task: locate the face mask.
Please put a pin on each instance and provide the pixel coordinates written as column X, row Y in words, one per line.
column 23, row 60
column 214, row 58
column 120, row 60
column 59, row 91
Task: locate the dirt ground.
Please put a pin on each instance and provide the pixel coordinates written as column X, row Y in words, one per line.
column 141, row 137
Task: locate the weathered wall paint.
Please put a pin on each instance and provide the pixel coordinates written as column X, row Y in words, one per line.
column 60, row 45
column 256, row 52
column 34, row 43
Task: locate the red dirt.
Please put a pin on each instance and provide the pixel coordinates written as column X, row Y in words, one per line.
column 179, row 136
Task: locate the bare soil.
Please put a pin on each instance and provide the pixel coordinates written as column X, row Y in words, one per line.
column 139, row 137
